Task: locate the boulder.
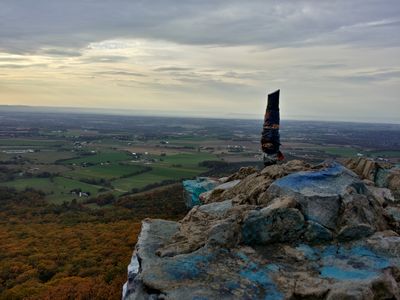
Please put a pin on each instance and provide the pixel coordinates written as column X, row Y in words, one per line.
column 264, row 226
column 316, row 233
column 383, row 195
column 242, row 173
column 251, row 189
column 319, row 192
column 204, row 224
column 194, row 188
column 290, row 231
column 154, row 234
column 218, row 190
column 361, row 216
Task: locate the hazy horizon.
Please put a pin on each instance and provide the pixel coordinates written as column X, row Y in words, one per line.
column 171, row 114
column 336, row 60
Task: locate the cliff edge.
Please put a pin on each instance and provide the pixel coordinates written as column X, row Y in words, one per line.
column 290, row 231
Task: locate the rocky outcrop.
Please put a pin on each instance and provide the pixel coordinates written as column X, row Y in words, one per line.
column 290, row 231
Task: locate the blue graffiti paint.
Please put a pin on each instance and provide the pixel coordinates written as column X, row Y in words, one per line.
column 340, row 273
column 189, row 267
column 355, row 263
column 308, row 252
column 262, row 279
column 298, row 181
column 193, row 189
column 259, row 275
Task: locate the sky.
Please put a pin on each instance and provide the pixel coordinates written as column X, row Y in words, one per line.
column 333, row 60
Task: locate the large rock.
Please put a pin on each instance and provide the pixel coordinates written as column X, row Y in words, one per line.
column 194, row 188
column 251, row 189
column 361, row 215
column 382, row 174
column 319, row 192
column 201, row 224
column 279, row 222
column 153, row 235
column 290, row 231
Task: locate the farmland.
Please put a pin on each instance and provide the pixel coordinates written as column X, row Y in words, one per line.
column 76, row 168
column 77, row 157
column 74, row 188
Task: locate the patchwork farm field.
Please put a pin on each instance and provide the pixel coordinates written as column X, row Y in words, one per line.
column 106, row 171
column 69, row 169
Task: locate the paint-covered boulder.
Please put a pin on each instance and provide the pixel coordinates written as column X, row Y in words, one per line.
column 194, row 188
column 319, row 192
column 290, row 231
column 316, row 233
column 278, row 222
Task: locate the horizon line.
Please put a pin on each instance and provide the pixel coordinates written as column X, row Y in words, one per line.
column 177, row 114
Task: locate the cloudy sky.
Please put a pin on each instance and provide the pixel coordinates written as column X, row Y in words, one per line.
column 332, row 60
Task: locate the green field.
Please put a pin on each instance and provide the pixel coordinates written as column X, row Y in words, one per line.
column 186, row 159
column 111, row 163
column 101, row 157
column 384, row 153
column 158, row 174
column 57, row 190
column 48, row 157
column 30, row 143
column 107, row 171
column 340, row 151
column 173, row 167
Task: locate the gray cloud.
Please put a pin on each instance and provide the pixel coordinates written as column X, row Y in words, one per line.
column 365, row 77
column 13, row 59
column 61, row 52
column 104, row 59
column 122, row 73
column 17, row 66
column 171, row 69
column 27, row 25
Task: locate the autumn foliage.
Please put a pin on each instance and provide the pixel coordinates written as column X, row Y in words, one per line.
column 68, row 251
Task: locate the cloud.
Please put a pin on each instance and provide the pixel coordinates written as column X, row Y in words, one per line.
column 122, row 73
column 104, row 59
column 370, row 76
column 17, row 66
column 216, row 56
column 27, row 25
column 61, row 52
column 172, row 69
column 13, row 59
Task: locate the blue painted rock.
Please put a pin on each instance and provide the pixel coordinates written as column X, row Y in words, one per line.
column 319, row 193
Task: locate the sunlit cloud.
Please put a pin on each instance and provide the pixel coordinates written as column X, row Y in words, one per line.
column 332, row 59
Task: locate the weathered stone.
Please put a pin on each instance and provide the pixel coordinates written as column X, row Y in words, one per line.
column 353, row 232
column 386, row 287
column 393, row 182
column 316, row 233
column 194, row 188
column 154, row 234
column 361, row 216
column 242, row 173
column 272, row 225
column 385, row 243
column 253, row 242
column 383, row 195
column 195, row 227
column 350, row 292
column 318, row 192
column 225, row 234
column 252, row 187
column 207, row 197
column 365, row 168
column 393, row 213
column 217, row 209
